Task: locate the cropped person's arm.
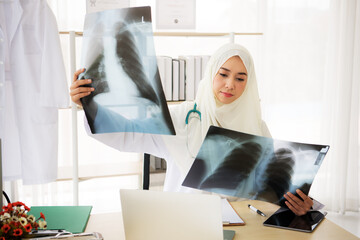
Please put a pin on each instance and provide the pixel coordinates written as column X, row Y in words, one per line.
column 132, row 142
column 126, row 141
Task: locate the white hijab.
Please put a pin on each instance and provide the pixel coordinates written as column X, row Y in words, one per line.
column 244, row 114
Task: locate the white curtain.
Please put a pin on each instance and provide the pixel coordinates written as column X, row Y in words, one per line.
column 339, row 183
column 310, row 87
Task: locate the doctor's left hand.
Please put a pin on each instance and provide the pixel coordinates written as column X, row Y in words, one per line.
column 77, row 88
column 298, row 206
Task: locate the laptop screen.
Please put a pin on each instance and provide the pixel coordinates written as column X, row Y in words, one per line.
column 155, row 215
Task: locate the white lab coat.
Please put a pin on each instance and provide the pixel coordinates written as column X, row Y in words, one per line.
column 32, row 87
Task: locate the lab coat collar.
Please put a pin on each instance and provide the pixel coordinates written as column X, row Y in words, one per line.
column 2, row 18
column 16, row 15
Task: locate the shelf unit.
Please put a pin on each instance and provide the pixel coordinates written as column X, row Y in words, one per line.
column 74, row 107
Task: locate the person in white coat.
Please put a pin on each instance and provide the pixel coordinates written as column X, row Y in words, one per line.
column 33, row 87
column 227, row 97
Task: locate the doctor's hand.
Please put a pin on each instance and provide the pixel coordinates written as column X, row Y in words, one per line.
column 298, row 206
column 77, row 90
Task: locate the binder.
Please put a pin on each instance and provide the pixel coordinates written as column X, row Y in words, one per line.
column 161, row 66
column 189, row 77
column 70, row 218
column 198, row 73
column 165, row 71
column 175, row 79
column 168, row 79
column 204, row 60
column 181, row 79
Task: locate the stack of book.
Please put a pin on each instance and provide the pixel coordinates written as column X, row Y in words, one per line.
column 180, row 76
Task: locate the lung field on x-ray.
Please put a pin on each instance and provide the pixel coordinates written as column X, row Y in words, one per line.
column 98, row 76
column 235, row 168
column 130, row 60
column 278, row 174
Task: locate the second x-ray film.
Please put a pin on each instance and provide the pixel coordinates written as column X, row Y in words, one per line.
column 119, row 56
column 248, row 166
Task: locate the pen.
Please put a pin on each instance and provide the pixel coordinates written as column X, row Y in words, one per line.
column 256, row 210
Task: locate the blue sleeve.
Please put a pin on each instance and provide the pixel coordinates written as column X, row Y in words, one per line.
column 107, row 121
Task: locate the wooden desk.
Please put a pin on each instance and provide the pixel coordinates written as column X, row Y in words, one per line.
column 110, row 225
column 254, row 228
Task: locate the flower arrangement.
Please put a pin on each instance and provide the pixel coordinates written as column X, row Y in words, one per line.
column 15, row 223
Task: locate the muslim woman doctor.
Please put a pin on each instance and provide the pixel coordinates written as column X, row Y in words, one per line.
column 227, row 97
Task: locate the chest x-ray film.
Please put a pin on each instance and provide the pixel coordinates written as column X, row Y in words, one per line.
column 119, row 56
column 253, row 167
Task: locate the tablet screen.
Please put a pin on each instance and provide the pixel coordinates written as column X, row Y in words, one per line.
column 284, row 218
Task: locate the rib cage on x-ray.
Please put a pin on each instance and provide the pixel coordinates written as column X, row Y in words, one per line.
column 119, row 57
column 129, row 58
column 239, row 163
column 253, row 167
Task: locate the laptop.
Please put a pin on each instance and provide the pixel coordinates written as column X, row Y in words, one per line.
column 157, row 215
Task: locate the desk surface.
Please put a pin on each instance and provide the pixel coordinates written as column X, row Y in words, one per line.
column 111, row 227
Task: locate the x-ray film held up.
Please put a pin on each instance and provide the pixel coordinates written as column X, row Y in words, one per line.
column 119, row 57
column 253, row 167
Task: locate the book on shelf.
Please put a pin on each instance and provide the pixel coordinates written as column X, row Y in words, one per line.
column 165, row 71
column 189, row 77
column 197, row 73
column 181, row 79
column 204, row 60
column 175, row 80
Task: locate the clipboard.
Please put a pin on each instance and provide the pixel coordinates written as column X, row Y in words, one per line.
column 229, row 216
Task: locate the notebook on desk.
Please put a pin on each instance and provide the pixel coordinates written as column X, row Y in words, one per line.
column 156, row 215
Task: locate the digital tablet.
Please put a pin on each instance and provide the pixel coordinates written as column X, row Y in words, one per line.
column 286, row 219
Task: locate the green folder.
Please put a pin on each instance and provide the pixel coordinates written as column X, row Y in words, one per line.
column 229, row 234
column 69, row 218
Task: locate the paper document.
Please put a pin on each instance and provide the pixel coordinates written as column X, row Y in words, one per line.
column 229, row 215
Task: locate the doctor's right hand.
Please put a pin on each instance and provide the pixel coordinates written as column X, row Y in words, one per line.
column 77, row 90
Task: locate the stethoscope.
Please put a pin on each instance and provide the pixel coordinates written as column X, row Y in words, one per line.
column 192, row 112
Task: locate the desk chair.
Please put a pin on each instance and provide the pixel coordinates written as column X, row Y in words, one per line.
column 152, row 164
column 146, row 172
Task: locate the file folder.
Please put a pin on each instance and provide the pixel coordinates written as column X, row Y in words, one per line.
column 70, row 218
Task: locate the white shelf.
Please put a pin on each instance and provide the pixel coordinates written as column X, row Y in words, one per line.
column 189, row 34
